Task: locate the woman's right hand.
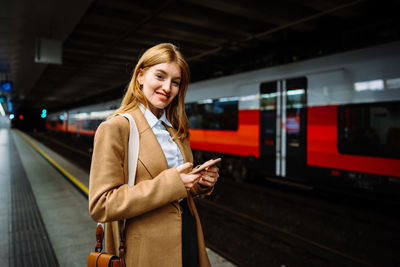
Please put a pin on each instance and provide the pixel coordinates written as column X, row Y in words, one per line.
column 189, row 180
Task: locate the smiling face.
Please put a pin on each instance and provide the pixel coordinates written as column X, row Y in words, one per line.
column 160, row 85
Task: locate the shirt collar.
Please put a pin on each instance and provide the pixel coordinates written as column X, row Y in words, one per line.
column 165, row 120
column 151, row 118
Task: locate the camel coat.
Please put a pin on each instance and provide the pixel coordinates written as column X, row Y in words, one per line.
column 153, row 227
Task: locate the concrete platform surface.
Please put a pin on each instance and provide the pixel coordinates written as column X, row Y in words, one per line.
column 63, row 208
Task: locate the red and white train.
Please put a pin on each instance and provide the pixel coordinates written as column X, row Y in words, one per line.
column 332, row 119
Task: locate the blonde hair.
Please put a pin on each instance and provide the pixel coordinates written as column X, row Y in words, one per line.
column 175, row 111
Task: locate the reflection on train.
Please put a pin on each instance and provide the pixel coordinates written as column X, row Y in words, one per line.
column 333, row 119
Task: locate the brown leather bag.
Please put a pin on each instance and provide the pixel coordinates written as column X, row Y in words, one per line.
column 103, row 259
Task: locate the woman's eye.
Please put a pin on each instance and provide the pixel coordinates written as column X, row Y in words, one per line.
column 159, row 76
column 175, row 83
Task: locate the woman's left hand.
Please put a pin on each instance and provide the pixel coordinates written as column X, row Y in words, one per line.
column 209, row 176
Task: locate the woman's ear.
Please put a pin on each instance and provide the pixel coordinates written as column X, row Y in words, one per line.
column 140, row 77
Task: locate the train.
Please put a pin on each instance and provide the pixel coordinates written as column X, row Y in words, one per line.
column 332, row 120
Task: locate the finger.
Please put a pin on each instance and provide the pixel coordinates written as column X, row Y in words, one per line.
column 209, row 179
column 195, row 180
column 212, row 169
column 207, row 173
column 206, row 183
column 185, row 166
column 195, row 175
column 192, row 178
column 211, row 174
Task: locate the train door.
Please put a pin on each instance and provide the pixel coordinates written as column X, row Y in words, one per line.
column 283, row 127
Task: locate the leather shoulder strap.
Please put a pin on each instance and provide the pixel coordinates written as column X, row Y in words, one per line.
column 99, row 238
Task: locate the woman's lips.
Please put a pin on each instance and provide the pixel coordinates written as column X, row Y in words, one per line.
column 163, row 96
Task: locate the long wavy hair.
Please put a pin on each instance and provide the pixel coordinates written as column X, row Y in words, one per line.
column 175, row 111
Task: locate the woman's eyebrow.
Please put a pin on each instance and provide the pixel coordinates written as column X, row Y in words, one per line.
column 164, row 72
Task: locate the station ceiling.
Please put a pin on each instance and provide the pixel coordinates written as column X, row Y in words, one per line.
column 102, row 40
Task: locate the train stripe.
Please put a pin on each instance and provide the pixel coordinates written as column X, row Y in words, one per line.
column 243, row 142
column 322, row 147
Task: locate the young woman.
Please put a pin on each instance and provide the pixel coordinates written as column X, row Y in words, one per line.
column 162, row 227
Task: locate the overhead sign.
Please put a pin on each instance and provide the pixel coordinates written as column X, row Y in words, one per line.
column 48, row 51
column 6, row 86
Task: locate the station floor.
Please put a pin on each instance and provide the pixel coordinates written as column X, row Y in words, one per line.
column 44, row 219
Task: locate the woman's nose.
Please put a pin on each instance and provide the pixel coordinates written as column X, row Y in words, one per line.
column 167, row 86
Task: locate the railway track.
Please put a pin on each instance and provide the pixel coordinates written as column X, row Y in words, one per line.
column 311, row 252
column 282, row 225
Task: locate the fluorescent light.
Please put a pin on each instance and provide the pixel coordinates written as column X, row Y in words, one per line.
column 269, row 95
column 205, row 101
column 94, row 115
column 229, row 99
column 295, row 92
column 373, row 85
column 80, row 116
column 2, row 110
column 249, row 97
column 393, row 83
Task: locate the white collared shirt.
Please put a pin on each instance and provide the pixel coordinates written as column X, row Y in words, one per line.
column 169, row 147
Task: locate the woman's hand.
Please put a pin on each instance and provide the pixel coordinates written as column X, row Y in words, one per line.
column 189, row 180
column 209, row 176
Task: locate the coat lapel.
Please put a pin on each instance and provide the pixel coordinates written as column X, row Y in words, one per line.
column 150, row 152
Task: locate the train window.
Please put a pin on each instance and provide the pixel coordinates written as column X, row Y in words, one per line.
column 90, row 124
column 268, row 105
column 370, row 129
column 214, row 114
column 268, row 96
column 296, row 93
column 295, row 110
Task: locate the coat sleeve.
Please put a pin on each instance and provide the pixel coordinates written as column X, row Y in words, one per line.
column 110, row 198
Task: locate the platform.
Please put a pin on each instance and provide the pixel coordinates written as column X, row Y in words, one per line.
column 44, row 219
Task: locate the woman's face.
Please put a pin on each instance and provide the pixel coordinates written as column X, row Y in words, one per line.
column 160, row 85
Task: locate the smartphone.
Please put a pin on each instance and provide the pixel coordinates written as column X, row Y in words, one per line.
column 206, row 164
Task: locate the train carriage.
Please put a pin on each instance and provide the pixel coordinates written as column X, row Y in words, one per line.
column 333, row 119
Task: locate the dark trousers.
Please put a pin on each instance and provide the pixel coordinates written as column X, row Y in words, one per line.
column 190, row 254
